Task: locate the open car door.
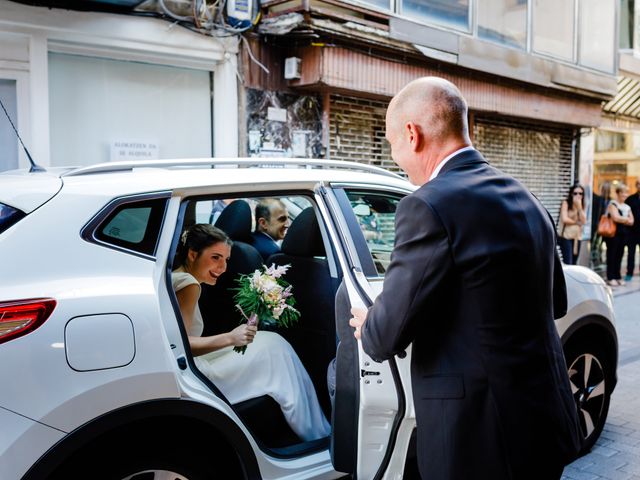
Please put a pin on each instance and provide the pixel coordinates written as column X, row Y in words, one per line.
column 373, row 416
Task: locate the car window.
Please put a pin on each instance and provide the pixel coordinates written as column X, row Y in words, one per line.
column 9, row 216
column 376, row 215
column 134, row 226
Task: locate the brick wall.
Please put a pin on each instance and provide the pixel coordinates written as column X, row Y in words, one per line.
column 356, row 132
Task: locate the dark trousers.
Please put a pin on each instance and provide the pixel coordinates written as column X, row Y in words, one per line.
column 633, row 240
column 615, row 250
column 566, row 249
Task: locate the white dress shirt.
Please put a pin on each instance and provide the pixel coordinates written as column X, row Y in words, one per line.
column 446, row 159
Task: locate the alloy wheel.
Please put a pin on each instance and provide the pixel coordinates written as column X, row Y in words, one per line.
column 588, row 385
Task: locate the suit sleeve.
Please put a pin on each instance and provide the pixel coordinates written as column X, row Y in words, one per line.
column 420, row 260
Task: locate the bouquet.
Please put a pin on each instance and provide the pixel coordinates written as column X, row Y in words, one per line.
column 267, row 299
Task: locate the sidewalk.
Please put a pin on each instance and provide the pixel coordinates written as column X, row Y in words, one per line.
column 630, row 287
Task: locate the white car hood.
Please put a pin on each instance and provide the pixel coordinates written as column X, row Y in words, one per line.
column 583, row 275
column 27, row 191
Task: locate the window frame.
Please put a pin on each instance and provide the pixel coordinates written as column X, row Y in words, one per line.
column 362, row 251
column 90, row 233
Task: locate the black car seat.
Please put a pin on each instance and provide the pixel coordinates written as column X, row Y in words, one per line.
column 216, row 302
column 314, row 335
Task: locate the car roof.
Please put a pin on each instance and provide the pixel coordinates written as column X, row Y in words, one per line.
column 162, row 175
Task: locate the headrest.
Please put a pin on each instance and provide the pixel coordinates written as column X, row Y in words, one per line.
column 235, row 220
column 303, row 239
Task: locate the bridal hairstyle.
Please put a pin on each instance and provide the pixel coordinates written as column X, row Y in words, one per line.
column 197, row 238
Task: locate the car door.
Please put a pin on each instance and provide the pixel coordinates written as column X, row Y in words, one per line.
column 373, row 409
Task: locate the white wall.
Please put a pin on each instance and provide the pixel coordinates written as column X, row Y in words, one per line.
column 95, row 102
column 36, row 32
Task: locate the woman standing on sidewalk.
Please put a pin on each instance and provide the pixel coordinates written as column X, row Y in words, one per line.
column 572, row 218
column 621, row 214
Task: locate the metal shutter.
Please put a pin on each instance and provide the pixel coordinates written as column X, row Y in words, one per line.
column 540, row 156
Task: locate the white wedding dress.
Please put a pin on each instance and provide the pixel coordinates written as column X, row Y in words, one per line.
column 269, row 366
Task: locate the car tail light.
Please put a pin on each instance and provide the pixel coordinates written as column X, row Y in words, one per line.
column 20, row 317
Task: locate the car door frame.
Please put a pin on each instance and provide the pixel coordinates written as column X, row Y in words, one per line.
column 376, row 457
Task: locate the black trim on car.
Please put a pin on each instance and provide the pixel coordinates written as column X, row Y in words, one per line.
column 161, row 408
column 9, row 216
column 91, row 234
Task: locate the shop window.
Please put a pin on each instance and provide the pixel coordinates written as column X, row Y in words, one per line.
column 446, row 13
column 554, row 28
column 382, row 4
column 503, row 21
column 610, row 141
column 8, row 139
column 627, row 8
column 102, row 110
column 597, row 34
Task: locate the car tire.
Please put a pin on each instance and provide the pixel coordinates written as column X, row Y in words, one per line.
column 591, row 383
column 143, row 457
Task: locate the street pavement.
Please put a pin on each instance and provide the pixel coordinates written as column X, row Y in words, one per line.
column 616, row 455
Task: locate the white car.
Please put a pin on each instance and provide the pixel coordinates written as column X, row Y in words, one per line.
column 97, row 378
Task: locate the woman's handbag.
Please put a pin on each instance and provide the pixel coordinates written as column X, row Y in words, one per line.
column 606, row 226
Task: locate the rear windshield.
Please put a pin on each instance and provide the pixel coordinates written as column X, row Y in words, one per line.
column 9, row 216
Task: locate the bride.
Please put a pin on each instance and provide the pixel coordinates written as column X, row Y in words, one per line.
column 269, row 366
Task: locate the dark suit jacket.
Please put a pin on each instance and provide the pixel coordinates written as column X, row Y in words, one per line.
column 266, row 245
column 475, row 283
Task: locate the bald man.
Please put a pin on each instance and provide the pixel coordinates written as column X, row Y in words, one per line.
column 474, row 284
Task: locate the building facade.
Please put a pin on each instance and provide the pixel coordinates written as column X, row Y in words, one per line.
column 85, row 87
column 535, row 74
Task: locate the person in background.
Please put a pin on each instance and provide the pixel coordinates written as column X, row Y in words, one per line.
column 620, row 212
column 272, row 222
column 572, row 218
column 633, row 238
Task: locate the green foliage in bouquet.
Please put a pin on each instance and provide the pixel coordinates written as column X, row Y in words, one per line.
column 265, row 299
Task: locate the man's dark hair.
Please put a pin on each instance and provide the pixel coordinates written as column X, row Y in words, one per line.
column 263, row 208
column 263, row 211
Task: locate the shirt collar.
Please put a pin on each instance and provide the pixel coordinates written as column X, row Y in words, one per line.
column 443, row 162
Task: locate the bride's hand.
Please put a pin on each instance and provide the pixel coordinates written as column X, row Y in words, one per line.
column 243, row 335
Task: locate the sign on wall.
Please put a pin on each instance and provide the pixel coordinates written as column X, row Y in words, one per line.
column 127, row 150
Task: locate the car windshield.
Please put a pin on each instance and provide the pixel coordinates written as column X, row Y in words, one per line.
column 9, row 216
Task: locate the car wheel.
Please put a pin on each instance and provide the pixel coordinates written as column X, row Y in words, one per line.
column 591, row 383
column 156, row 475
column 136, row 455
column 142, row 467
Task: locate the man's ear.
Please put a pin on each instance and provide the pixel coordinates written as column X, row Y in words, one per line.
column 414, row 136
column 262, row 223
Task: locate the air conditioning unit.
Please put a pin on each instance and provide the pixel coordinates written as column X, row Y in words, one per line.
column 292, row 68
